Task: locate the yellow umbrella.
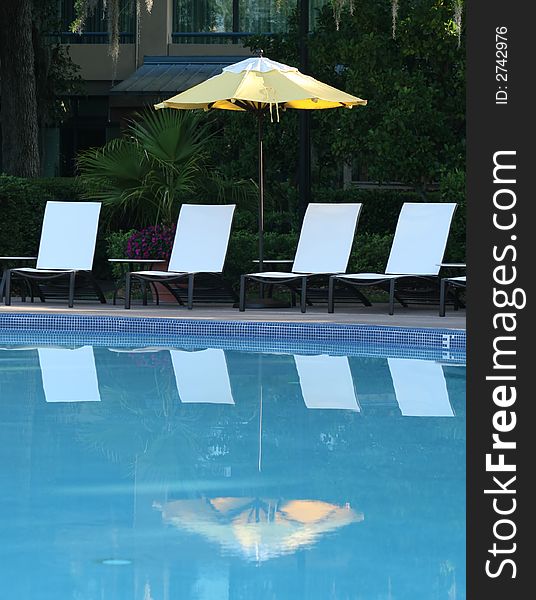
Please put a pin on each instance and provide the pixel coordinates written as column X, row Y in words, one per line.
column 258, row 529
column 261, row 85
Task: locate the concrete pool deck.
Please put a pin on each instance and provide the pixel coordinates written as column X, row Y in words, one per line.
column 412, row 316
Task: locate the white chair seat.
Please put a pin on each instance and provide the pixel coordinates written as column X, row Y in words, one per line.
column 41, row 271
column 369, row 276
column 277, row 275
column 158, row 273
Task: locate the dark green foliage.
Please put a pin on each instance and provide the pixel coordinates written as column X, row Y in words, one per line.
column 22, row 204
column 370, row 252
column 452, row 189
column 244, row 249
column 380, row 206
column 413, row 127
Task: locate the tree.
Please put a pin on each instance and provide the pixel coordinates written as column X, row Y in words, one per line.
column 409, row 64
column 37, row 76
column 18, row 116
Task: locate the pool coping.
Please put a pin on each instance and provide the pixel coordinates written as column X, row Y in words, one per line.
column 439, row 339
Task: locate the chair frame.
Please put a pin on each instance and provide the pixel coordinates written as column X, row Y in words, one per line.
column 380, row 279
column 166, row 277
column 48, row 274
column 446, row 282
column 287, row 279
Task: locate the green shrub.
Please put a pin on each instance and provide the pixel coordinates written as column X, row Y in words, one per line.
column 452, row 189
column 116, row 247
column 244, row 249
column 22, row 204
column 380, row 206
column 370, row 253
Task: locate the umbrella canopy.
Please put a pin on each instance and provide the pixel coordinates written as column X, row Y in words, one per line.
column 258, row 529
column 261, row 85
column 258, row 84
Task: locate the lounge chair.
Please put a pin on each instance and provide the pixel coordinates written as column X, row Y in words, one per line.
column 420, row 388
column 200, row 246
column 446, row 282
column 66, row 248
column 202, row 376
column 324, row 247
column 69, row 375
column 326, row 382
column 417, row 249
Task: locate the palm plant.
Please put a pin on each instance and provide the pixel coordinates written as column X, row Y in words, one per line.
column 160, row 162
column 146, row 172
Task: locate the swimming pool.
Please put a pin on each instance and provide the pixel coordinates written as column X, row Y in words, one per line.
column 177, row 470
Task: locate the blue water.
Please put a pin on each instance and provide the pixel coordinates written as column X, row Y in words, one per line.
column 222, row 474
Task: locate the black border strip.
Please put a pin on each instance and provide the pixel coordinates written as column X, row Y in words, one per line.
column 500, row 130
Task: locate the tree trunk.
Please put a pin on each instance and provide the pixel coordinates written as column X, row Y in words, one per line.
column 18, row 116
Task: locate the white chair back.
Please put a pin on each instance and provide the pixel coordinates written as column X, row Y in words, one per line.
column 326, row 238
column 68, row 235
column 326, row 382
column 202, row 238
column 420, row 238
column 420, row 388
column 69, row 375
column 202, row 376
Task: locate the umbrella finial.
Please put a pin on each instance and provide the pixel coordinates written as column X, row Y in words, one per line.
column 258, row 52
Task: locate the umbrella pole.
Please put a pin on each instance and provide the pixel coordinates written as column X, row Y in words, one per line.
column 261, row 193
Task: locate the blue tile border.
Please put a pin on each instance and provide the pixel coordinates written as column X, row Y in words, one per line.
column 263, row 336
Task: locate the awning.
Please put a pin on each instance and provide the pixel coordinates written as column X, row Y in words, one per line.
column 172, row 74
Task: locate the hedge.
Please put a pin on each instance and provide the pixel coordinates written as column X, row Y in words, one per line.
column 22, row 203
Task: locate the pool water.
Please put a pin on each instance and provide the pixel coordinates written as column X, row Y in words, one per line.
column 167, row 474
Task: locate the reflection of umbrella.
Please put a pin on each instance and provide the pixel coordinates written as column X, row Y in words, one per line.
column 258, row 529
column 260, row 85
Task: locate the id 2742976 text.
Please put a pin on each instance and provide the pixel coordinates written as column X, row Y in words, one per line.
column 501, row 65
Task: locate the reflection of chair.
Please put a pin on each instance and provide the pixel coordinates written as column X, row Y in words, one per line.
column 326, row 382
column 202, row 376
column 417, row 250
column 66, row 248
column 446, row 282
column 69, row 375
column 200, row 246
column 420, row 388
column 324, row 248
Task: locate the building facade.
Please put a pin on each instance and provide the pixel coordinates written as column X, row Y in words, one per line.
column 179, row 43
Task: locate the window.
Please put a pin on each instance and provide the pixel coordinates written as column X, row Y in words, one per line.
column 220, row 21
column 96, row 26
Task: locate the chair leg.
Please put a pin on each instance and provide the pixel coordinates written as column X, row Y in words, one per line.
column 190, row 291
column 97, row 289
column 392, row 296
column 242, row 297
column 331, row 292
column 144, row 292
column 2, row 285
column 442, row 294
column 7, row 287
column 72, row 277
column 127, row 290
column 303, row 299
